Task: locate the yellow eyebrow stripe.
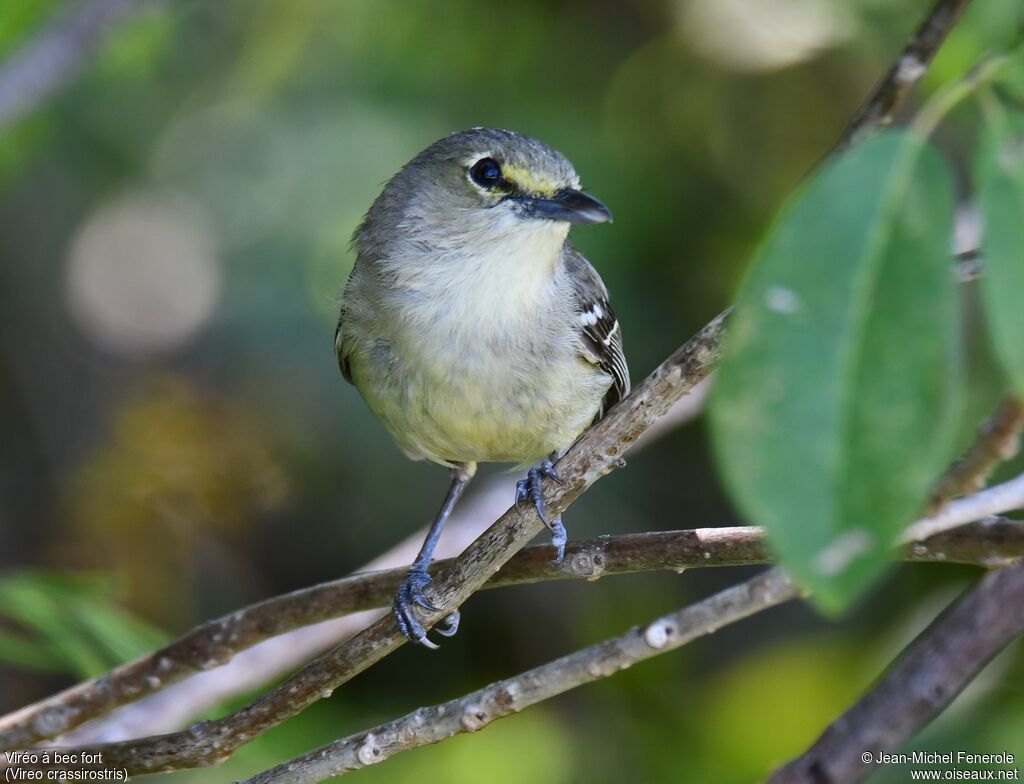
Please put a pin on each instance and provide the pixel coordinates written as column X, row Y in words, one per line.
column 526, row 181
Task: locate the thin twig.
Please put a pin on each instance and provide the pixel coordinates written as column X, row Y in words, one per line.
column 991, row 501
column 998, row 440
column 919, row 685
column 55, row 56
column 990, row 542
column 475, row 711
column 154, row 699
column 220, row 639
column 908, row 69
column 984, row 544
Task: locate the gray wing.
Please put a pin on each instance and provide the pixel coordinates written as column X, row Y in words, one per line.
column 599, row 328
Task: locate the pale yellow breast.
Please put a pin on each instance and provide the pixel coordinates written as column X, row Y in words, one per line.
column 486, row 412
column 475, row 358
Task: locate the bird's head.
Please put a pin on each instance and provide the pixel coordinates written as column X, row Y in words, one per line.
column 479, row 187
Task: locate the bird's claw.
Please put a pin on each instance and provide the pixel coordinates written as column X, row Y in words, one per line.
column 530, row 488
column 449, row 625
column 410, row 594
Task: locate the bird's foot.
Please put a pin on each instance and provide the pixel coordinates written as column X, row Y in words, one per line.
column 558, row 538
column 410, row 594
column 530, row 489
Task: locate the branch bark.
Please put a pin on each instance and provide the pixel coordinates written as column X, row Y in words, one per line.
column 55, row 56
column 919, row 685
column 907, row 71
column 984, row 544
column 475, row 711
column 991, row 501
column 998, row 440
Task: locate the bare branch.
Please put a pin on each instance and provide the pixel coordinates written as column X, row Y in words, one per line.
column 684, row 410
column 907, row 71
column 475, row 711
column 220, row 639
column 992, row 542
column 920, row 684
column 54, row 57
column 998, row 440
column 991, row 501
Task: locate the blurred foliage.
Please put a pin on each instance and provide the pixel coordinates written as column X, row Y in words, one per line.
column 796, row 680
column 227, row 461
column 69, row 623
column 176, row 469
column 1000, row 176
column 19, row 19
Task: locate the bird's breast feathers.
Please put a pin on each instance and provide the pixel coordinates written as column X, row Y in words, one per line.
column 483, row 365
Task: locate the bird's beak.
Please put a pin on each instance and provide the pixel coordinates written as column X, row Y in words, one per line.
column 569, row 205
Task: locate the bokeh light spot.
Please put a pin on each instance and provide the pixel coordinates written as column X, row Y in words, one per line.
column 763, row 35
column 143, row 274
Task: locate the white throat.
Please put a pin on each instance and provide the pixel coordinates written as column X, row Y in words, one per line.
column 487, row 279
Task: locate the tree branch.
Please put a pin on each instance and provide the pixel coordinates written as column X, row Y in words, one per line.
column 475, row 711
column 907, row 71
column 54, row 57
column 983, row 544
column 920, row 684
column 998, row 440
column 991, row 501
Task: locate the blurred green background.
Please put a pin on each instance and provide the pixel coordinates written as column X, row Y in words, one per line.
column 176, row 440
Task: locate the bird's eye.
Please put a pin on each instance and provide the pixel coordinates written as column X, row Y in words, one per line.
column 486, row 173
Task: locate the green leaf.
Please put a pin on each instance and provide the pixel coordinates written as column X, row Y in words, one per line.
column 999, row 171
column 836, row 400
column 70, row 623
column 40, row 605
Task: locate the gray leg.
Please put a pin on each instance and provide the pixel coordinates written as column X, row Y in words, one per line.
column 410, row 592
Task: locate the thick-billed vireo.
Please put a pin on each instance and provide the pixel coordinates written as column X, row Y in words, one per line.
column 472, row 328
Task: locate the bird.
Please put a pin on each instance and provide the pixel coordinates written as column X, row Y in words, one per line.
column 473, row 329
